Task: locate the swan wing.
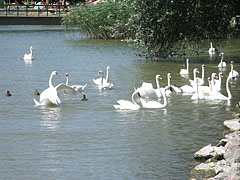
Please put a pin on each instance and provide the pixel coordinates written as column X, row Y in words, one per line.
column 65, row 89
column 98, row 81
column 176, row 89
column 146, row 90
column 79, row 88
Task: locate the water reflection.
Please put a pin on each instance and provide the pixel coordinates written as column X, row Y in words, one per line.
column 28, row 61
column 50, row 117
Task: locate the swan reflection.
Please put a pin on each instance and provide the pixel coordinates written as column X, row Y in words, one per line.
column 50, row 117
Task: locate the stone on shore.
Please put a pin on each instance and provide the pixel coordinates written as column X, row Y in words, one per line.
column 233, row 124
column 209, row 151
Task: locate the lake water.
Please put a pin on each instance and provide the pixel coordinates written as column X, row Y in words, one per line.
column 92, row 140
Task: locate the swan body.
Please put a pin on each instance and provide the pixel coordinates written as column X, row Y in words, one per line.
column 187, row 89
column 211, row 50
column 98, row 81
column 233, row 73
column 29, row 56
column 222, row 64
column 50, row 95
column 127, row 105
column 104, row 86
column 156, row 104
column 77, row 88
column 219, row 96
column 185, row 71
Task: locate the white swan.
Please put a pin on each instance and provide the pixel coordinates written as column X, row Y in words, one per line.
column 172, row 87
column 208, row 89
column 77, row 88
column 104, row 86
column 127, row 105
column 193, row 82
column 222, row 64
column 147, row 90
column 50, row 95
column 201, row 80
column 29, row 56
column 211, row 50
column 198, row 94
column 219, row 96
column 98, row 81
column 233, row 73
column 218, row 82
column 156, row 104
column 185, row 71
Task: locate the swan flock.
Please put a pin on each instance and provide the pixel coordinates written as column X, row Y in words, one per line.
column 146, row 95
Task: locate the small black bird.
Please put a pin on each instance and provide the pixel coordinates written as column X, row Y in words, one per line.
column 8, row 94
column 84, row 98
column 36, row 93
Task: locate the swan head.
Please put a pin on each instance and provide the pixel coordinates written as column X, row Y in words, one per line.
column 54, row 73
column 187, row 60
column 158, row 77
column 66, row 75
column 221, row 54
column 108, row 68
column 195, row 70
column 220, row 74
column 31, row 48
column 203, row 66
column 169, row 75
column 231, row 63
column 100, row 72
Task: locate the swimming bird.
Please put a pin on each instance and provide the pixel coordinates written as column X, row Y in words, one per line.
column 50, row 95
column 185, row 71
column 127, row 105
column 211, row 49
column 29, row 56
column 104, row 86
column 36, row 93
column 233, row 73
column 222, row 64
column 84, row 98
column 98, row 81
column 77, row 88
column 8, row 93
column 156, row 104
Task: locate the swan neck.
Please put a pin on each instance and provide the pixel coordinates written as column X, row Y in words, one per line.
column 50, row 81
column 67, row 80
column 194, row 75
column 169, row 82
column 107, row 75
column 134, row 102
column 187, row 66
column 164, row 98
column 228, row 90
column 158, row 86
column 31, row 51
column 211, row 45
column 203, row 73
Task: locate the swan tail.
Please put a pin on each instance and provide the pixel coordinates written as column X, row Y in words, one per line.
column 36, row 102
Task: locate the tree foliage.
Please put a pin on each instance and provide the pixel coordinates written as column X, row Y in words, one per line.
column 158, row 28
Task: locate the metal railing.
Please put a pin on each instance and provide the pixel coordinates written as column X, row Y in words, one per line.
column 33, row 10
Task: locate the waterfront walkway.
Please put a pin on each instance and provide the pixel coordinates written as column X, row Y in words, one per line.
column 32, row 14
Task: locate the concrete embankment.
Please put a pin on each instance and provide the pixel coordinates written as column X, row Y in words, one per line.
column 221, row 162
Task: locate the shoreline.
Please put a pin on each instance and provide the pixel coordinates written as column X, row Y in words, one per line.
column 222, row 161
